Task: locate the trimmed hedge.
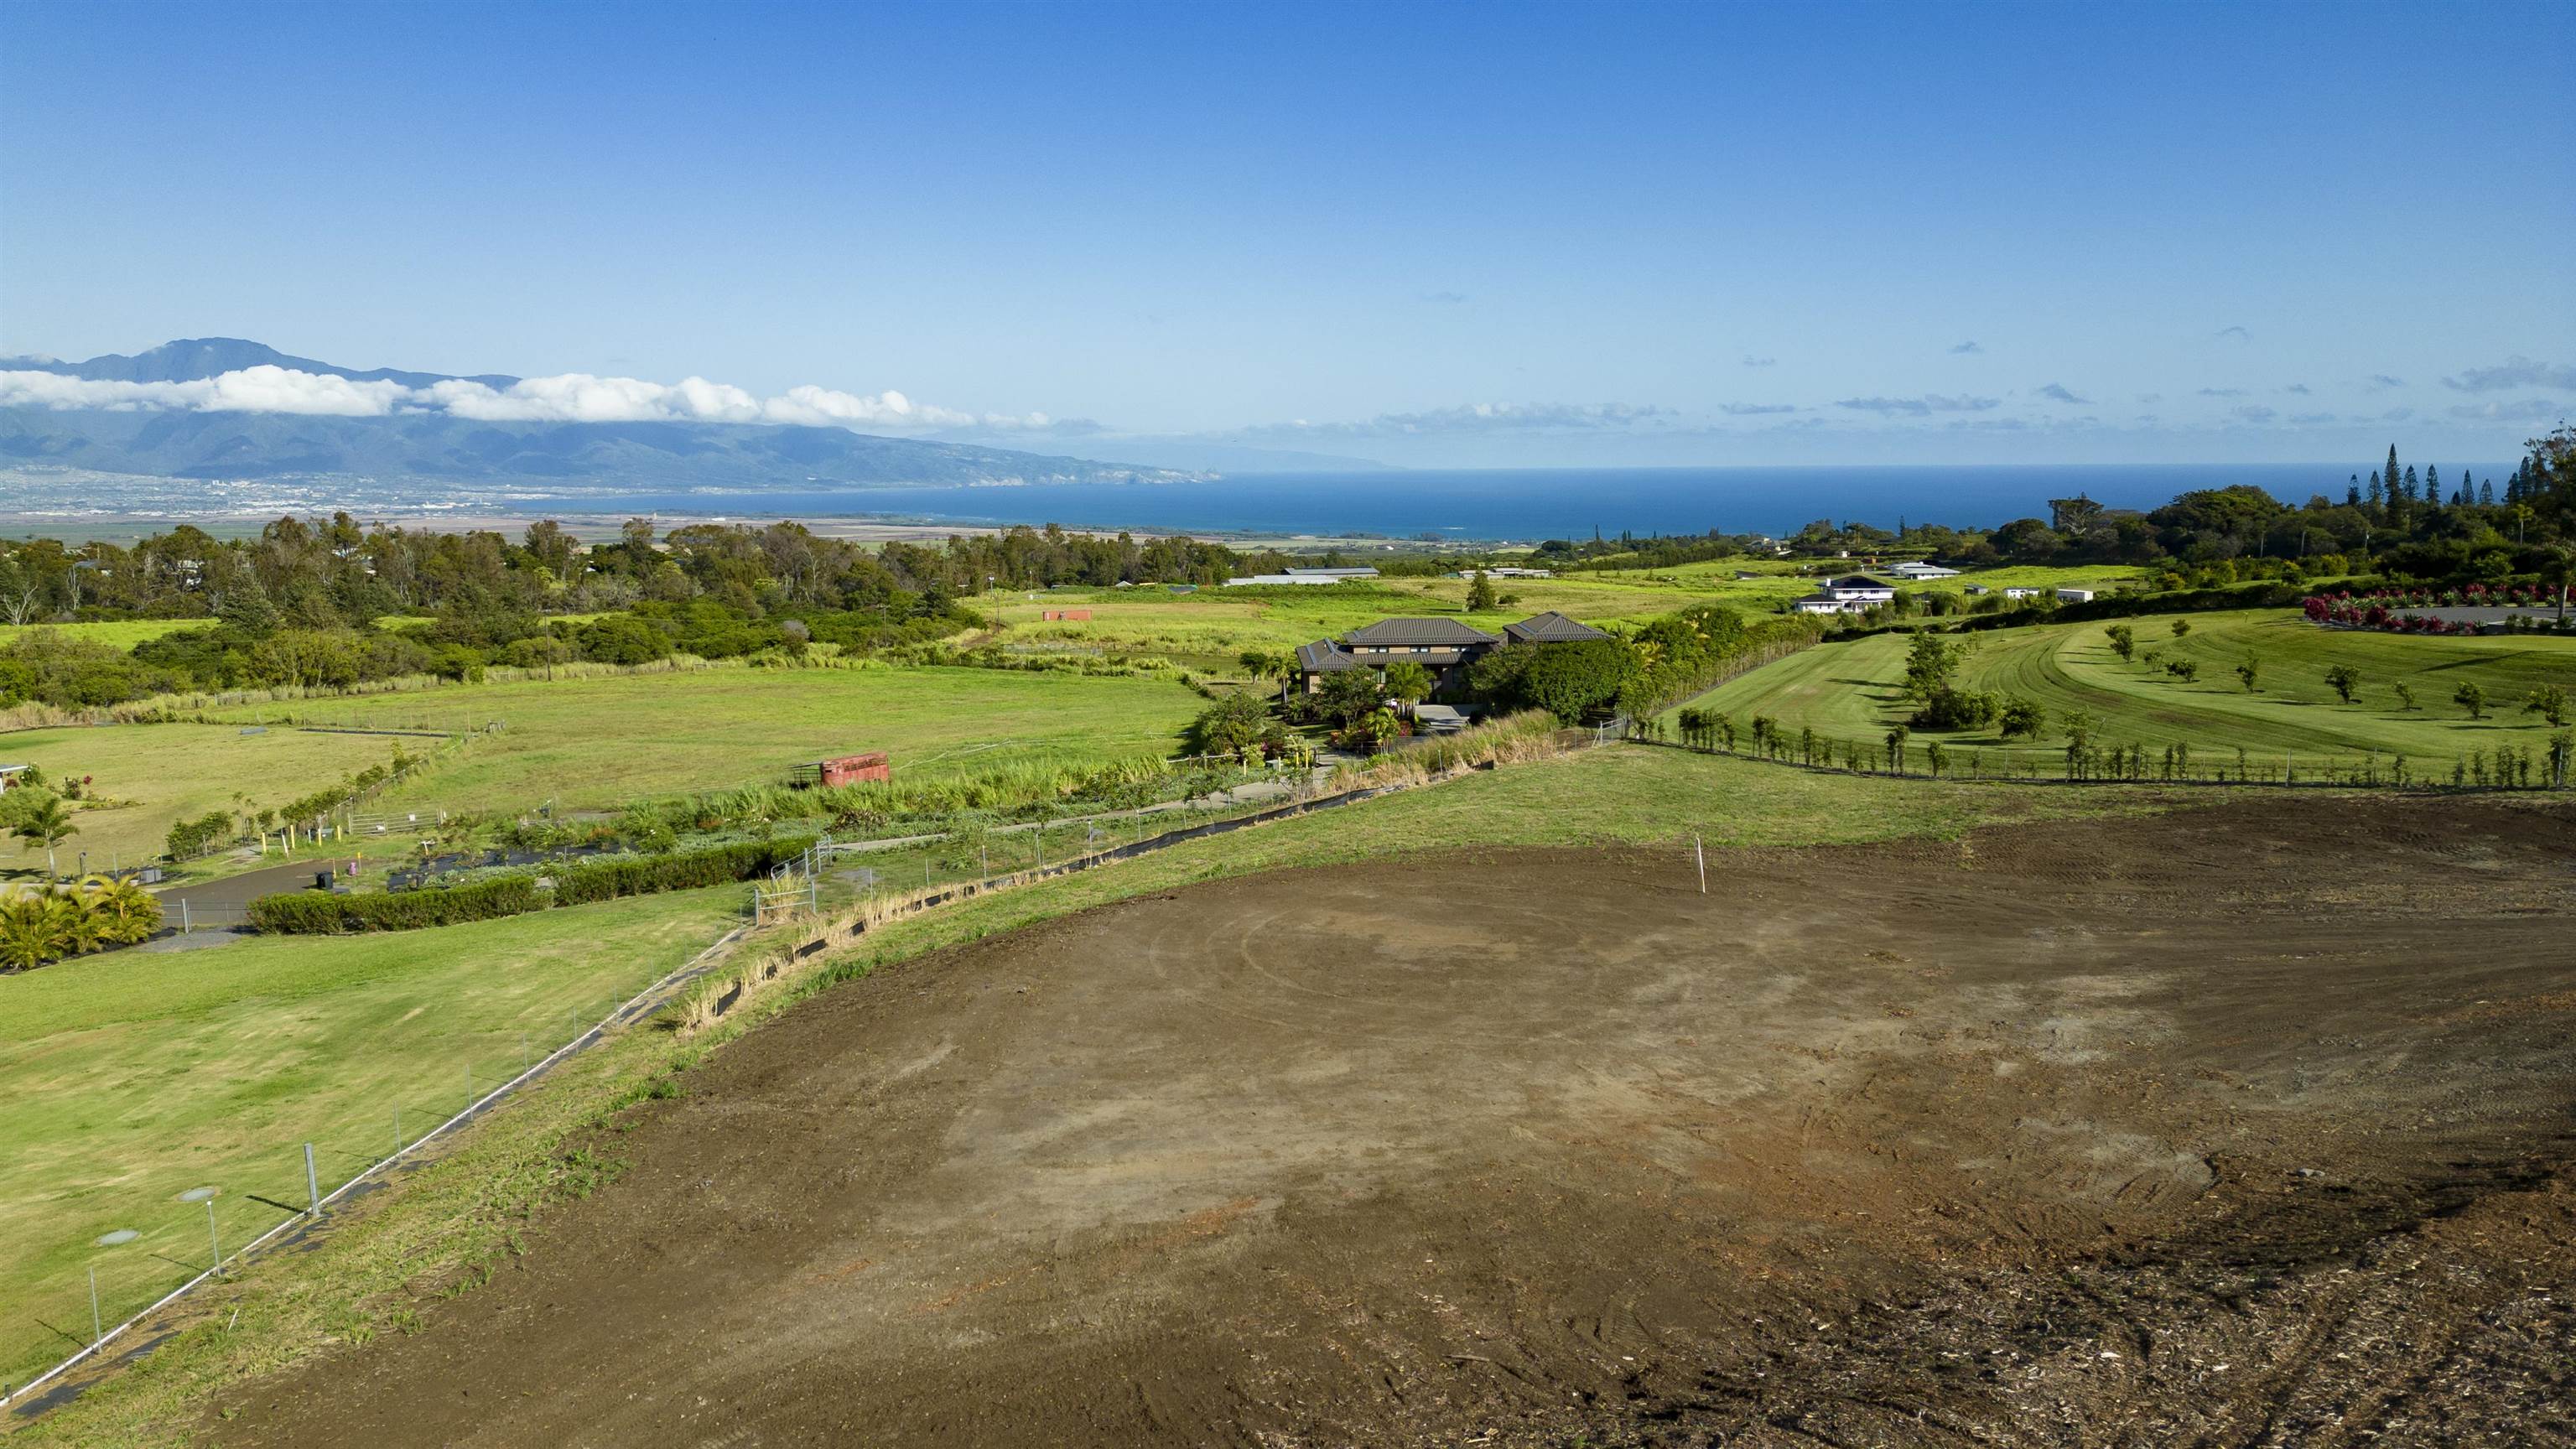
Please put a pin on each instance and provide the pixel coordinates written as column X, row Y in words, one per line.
column 321, row 913
column 647, row 875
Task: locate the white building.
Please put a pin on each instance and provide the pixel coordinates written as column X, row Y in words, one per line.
column 1851, row 594
column 2023, row 593
column 1920, row 571
column 2076, row 596
column 1361, row 572
column 1249, row 579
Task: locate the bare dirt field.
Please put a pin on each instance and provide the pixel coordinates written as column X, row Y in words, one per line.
column 2244, row 1125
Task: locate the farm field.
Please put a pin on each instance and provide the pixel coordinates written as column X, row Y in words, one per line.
column 1214, row 625
column 598, row 743
column 1645, row 797
column 159, row 774
column 1851, row 691
column 1865, row 1138
column 137, row 1075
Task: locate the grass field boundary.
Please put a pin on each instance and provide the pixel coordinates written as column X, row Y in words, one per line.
column 2351, row 777
column 634, row 1009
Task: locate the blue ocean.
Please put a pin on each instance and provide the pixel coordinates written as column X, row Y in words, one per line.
column 1518, row 505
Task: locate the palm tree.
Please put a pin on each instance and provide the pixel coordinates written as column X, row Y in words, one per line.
column 43, row 826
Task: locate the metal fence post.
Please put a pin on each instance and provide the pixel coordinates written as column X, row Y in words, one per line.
column 97, row 1325
column 213, row 1237
column 312, row 1183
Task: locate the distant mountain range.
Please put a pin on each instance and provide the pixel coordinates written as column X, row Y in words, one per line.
column 431, row 447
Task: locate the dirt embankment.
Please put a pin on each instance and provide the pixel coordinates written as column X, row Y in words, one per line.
column 2240, row 1126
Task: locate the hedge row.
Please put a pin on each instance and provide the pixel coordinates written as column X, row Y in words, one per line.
column 321, row 913
column 646, row 875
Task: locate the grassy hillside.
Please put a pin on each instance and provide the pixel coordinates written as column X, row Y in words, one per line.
column 136, row 1076
column 1852, row 691
column 456, row 1209
column 598, row 743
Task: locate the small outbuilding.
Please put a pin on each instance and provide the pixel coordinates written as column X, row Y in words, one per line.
column 873, row 766
column 2076, row 596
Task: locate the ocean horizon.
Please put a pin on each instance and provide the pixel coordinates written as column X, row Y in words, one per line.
column 1515, row 505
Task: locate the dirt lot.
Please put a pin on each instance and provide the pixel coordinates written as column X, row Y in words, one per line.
column 2241, row 1126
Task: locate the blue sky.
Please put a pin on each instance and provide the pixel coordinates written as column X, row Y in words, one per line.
column 1434, row 235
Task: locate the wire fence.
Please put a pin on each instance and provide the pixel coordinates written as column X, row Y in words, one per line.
column 2531, row 765
column 137, row 1255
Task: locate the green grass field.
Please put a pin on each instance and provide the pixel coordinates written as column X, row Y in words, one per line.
column 1212, row 626
column 123, row 633
column 136, row 1076
column 154, row 775
column 599, row 743
column 1851, row 691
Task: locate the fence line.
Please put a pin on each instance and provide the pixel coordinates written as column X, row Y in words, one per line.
column 631, row 1009
column 2101, row 769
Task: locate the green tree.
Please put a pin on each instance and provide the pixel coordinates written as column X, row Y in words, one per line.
column 2345, row 680
column 2023, row 718
column 1232, row 725
column 2078, row 728
column 1480, row 594
column 1408, row 681
column 2405, row 695
column 2185, row 670
column 2549, row 702
column 2124, row 641
column 2181, row 627
column 1935, row 758
column 1896, row 736
column 1348, row 695
column 1930, row 662
column 2249, row 672
column 2471, row 698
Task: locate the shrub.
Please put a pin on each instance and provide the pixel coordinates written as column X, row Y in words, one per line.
column 716, row 865
column 322, row 913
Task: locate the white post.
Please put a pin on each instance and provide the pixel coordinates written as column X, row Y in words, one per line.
column 312, row 1184
column 213, row 1237
column 97, row 1326
column 1701, row 855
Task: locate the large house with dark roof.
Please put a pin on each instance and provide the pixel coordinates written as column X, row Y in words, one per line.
column 1445, row 647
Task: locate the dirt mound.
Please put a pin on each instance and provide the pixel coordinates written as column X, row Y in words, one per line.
column 2237, row 1126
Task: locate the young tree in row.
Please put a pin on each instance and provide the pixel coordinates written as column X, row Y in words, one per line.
column 2124, row 641
column 2345, row 680
column 2249, row 672
column 2549, row 702
column 2405, row 695
column 2181, row 627
column 2471, row 698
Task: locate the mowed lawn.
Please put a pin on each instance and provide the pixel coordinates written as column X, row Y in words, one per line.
column 151, row 776
column 135, row 1076
column 599, row 743
column 1851, row 691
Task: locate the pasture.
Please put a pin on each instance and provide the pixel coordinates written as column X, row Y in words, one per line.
column 116, row 633
column 138, row 1075
column 145, row 778
column 1852, row 691
column 598, row 743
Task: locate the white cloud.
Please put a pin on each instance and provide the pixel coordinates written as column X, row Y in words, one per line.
column 573, row 397
column 1481, row 418
column 1919, row 406
column 2515, row 372
column 262, row 389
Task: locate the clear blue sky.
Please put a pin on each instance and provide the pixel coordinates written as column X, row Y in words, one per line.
column 1614, row 229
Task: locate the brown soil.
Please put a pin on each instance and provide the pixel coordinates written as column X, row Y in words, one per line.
column 2239, row 1126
